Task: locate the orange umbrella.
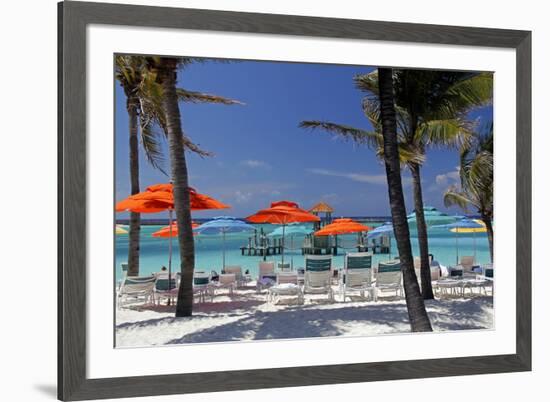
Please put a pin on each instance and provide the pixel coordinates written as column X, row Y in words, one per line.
column 171, row 231
column 342, row 226
column 282, row 213
column 159, row 198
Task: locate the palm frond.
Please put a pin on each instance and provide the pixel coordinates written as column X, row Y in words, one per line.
column 199, row 97
column 153, row 153
column 359, row 136
column 454, row 197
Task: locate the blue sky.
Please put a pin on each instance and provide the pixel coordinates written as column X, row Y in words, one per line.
column 260, row 154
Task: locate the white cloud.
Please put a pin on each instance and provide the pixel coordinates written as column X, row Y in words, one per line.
column 242, row 197
column 359, row 177
column 449, row 178
column 253, row 163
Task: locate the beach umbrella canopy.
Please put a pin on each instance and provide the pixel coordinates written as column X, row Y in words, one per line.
column 171, row 230
column 433, row 216
column 223, row 225
column 282, row 213
column 120, row 230
column 342, row 226
column 463, row 226
column 383, row 230
column 291, row 230
column 160, row 198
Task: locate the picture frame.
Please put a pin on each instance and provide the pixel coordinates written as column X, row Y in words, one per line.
column 73, row 19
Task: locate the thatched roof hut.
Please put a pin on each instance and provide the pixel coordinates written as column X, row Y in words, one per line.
column 321, row 207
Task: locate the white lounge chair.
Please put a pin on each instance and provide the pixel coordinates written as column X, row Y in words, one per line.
column 467, row 262
column 238, row 271
column 318, row 275
column 266, row 275
column 136, row 288
column 287, row 285
column 162, row 290
column 226, row 281
column 388, row 277
column 357, row 275
column 453, row 284
column 202, row 286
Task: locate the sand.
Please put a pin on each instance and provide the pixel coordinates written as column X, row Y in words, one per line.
column 247, row 316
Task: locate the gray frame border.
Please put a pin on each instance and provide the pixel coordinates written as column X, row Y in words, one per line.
column 73, row 17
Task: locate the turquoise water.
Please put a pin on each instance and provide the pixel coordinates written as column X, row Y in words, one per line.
column 208, row 250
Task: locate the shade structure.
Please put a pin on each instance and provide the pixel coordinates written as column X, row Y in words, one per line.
column 120, row 230
column 321, row 207
column 342, row 226
column 160, row 198
column 433, row 216
column 171, row 230
column 383, row 230
column 223, row 225
column 291, row 230
column 464, row 226
column 282, row 213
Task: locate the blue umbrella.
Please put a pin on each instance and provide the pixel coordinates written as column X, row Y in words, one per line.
column 433, row 216
column 223, row 225
column 291, row 230
column 460, row 224
column 383, row 230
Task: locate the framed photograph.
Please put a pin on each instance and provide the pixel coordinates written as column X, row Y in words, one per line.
column 258, row 201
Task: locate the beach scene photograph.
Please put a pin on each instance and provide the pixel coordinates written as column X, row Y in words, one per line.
column 268, row 200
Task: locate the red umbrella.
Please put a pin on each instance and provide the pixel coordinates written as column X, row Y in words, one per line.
column 282, row 213
column 171, row 231
column 159, row 198
column 342, row 226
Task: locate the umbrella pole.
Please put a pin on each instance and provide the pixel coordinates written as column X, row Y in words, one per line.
column 223, row 252
column 283, row 248
column 474, row 233
column 170, row 251
column 456, row 243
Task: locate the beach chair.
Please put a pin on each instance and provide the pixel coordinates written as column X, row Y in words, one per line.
column 162, row 290
column 202, row 286
column 266, row 275
column 124, row 267
column 226, row 281
column 453, row 284
column 282, row 267
column 357, row 275
column 388, row 277
column 318, row 275
column 487, row 277
column 467, row 263
column 287, row 285
column 238, row 271
column 136, row 288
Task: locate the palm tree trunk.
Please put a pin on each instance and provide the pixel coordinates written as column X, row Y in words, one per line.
column 167, row 76
column 418, row 317
column 422, row 230
column 489, row 224
column 135, row 220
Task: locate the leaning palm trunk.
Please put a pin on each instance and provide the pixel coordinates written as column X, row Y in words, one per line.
column 425, row 273
column 418, row 316
column 167, row 76
column 489, row 225
column 135, row 220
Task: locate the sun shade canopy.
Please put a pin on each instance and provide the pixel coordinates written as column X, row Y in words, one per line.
column 160, row 197
column 342, row 226
column 282, row 213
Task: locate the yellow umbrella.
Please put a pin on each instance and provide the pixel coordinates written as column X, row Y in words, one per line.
column 471, row 230
column 120, row 230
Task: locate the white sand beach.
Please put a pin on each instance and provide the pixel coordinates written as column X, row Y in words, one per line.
column 247, row 316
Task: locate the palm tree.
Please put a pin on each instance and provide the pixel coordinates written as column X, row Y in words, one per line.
column 476, row 180
column 129, row 74
column 430, row 111
column 144, row 102
column 164, row 110
column 418, row 317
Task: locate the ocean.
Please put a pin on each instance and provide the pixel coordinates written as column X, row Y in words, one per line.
column 208, row 249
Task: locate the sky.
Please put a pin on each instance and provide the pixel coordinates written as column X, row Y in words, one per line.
column 260, row 154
